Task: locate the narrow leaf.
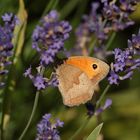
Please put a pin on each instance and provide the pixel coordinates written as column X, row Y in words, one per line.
column 95, row 133
column 19, row 33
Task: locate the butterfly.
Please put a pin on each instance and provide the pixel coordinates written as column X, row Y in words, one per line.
column 78, row 77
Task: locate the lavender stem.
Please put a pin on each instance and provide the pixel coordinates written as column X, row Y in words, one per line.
column 33, row 110
column 110, row 40
column 102, row 95
column 93, row 42
column 80, row 129
column 31, row 116
column 49, row 5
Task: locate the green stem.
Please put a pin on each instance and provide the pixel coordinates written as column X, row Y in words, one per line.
column 55, row 4
column 102, row 96
column 68, row 8
column 48, row 7
column 32, row 115
column 33, row 110
column 93, row 42
column 79, row 12
column 113, row 35
column 92, row 46
column 80, row 129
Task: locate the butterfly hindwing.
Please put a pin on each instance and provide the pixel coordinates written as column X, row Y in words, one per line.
column 74, row 85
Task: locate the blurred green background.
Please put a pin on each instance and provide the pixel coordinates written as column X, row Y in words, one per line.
column 121, row 121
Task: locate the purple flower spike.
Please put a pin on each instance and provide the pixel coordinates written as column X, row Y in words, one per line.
column 47, row 117
column 7, row 17
column 59, row 123
column 127, row 76
column 48, row 38
column 119, row 66
column 125, row 61
column 6, row 46
column 53, row 82
column 39, row 82
column 10, row 19
column 113, row 78
column 114, row 16
column 48, row 131
column 28, row 73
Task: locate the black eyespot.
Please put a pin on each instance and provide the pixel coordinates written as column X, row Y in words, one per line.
column 94, row 66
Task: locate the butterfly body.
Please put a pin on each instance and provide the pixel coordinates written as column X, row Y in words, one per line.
column 78, row 77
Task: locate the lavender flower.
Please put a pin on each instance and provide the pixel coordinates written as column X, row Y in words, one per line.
column 28, row 73
column 48, row 39
column 39, row 81
column 91, row 24
column 125, row 61
column 113, row 78
column 48, row 131
column 6, row 46
column 97, row 25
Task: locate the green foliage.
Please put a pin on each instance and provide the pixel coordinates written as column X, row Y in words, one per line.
column 95, row 133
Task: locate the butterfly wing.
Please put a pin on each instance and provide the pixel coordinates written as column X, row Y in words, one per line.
column 75, row 86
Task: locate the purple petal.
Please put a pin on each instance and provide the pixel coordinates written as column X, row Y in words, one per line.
column 108, row 103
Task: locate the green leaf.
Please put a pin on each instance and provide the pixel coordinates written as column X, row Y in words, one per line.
column 19, row 33
column 94, row 134
column 68, row 8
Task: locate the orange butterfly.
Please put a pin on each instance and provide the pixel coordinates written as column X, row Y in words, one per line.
column 78, row 77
